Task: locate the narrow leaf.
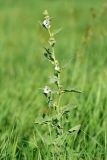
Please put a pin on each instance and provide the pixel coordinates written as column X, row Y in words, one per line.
column 71, row 90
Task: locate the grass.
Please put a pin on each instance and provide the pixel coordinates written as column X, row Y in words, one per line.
column 81, row 47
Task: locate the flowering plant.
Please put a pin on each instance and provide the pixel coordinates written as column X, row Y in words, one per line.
column 57, row 120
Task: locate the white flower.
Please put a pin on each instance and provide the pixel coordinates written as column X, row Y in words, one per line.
column 46, row 23
column 46, row 90
column 57, row 68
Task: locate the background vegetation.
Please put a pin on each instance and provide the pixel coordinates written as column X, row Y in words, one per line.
column 81, row 48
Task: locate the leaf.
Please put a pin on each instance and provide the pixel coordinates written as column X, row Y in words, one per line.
column 48, row 55
column 41, row 122
column 53, row 79
column 57, row 31
column 60, row 140
column 71, row 90
column 47, row 50
column 74, row 129
column 68, row 108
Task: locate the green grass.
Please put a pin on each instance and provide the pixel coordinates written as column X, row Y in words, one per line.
column 23, row 70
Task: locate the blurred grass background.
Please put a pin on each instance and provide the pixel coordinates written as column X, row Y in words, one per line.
column 81, row 47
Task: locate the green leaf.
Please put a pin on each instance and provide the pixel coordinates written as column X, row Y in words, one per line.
column 48, row 54
column 60, row 140
column 57, row 31
column 71, row 90
column 41, row 121
column 68, row 108
column 74, row 129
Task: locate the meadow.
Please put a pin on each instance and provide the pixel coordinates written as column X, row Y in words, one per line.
column 81, row 49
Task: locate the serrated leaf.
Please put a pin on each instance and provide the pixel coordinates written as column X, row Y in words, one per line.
column 68, row 108
column 74, row 129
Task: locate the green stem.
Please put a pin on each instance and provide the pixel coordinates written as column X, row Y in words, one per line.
column 55, row 63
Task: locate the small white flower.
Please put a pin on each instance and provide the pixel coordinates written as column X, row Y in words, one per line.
column 46, row 23
column 57, row 68
column 46, row 90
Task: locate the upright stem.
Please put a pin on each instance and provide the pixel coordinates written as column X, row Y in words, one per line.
column 55, row 64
